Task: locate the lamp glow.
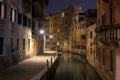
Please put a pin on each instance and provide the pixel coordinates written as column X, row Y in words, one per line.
column 41, row 31
column 51, row 36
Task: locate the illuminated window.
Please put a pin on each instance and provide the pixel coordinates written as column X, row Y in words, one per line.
column 13, row 14
column 2, row 10
column 63, row 14
column 28, row 44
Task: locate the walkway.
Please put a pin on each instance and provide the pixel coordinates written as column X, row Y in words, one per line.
column 27, row 69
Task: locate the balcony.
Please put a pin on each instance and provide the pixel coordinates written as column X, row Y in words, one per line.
column 109, row 34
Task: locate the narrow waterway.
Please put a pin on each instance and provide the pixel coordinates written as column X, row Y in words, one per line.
column 75, row 67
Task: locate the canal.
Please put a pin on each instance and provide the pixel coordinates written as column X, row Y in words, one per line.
column 74, row 67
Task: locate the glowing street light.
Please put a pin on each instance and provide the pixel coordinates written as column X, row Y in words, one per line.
column 41, row 31
column 51, row 36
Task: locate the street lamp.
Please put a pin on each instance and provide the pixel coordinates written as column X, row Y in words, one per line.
column 50, row 40
column 41, row 31
column 44, row 38
column 51, row 36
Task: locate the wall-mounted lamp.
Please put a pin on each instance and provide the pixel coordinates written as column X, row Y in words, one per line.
column 51, row 36
column 41, row 31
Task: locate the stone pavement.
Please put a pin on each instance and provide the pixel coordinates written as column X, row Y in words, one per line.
column 27, row 69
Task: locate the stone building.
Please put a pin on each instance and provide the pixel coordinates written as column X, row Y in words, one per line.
column 38, row 17
column 108, row 35
column 91, row 18
column 73, row 11
column 59, row 26
column 16, row 21
column 78, row 34
column 15, row 32
column 91, row 44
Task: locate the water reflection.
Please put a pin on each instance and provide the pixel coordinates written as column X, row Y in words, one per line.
column 75, row 67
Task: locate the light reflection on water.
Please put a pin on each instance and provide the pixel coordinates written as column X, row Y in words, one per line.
column 75, row 67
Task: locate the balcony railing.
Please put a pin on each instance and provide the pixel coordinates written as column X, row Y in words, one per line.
column 108, row 33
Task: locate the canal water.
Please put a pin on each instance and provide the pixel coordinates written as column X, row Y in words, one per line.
column 74, row 67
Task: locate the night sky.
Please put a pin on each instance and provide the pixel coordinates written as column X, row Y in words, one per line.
column 56, row 5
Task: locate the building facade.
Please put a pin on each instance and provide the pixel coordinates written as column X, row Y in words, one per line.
column 108, row 50
column 16, row 21
column 78, row 34
column 91, row 44
column 91, row 19
column 15, row 36
column 38, row 17
column 59, row 27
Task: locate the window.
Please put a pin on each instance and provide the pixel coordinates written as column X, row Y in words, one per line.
column 83, row 36
column 33, row 26
column 17, row 44
column 78, row 46
column 103, row 20
column 28, row 44
column 84, row 47
column 23, row 44
column 2, row 10
column 24, row 20
column 90, row 51
column 19, row 18
column 111, row 60
column 98, row 54
column 103, row 56
column 30, row 21
column 1, row 45
column 65, row 21
column 12, row 49
column 5, row 11
column 111, row 13
column 13, row 14
column 91, row 34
